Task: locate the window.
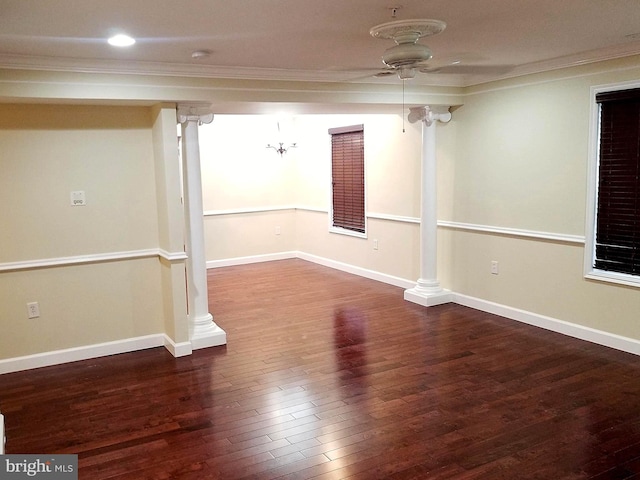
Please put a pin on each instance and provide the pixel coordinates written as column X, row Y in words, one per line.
column 347, row 179
column 615, row 246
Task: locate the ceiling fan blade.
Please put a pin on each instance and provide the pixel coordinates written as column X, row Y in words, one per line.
column 370, row 73
column 385, row 73
column 371, row 76
column 459, row 69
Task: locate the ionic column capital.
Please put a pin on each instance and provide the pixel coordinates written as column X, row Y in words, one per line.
column 194, row 112
column 429, row 114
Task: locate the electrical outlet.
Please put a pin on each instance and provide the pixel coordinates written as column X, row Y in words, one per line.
column 33, row 310
column 494, row 267
column 375, row 243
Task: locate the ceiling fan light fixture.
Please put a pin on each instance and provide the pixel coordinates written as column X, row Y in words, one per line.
column 406, row 72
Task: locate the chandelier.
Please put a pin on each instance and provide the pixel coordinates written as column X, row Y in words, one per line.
column 280, row 148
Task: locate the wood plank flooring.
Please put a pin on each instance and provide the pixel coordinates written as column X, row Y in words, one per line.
column 331, row 376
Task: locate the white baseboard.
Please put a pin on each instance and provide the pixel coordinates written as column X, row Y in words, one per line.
column 181, row 349
column 86, row 352
column 327, row 262
column 345, row 267
column 229, row 262
column 362, row 272
column 581, row 332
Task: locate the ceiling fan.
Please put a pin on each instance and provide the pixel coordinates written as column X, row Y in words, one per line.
column 407, row 56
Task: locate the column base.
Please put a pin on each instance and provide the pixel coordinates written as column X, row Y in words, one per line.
column 428, row 298
column 205, row 333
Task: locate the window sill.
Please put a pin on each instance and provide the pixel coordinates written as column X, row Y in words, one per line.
column 344, row 231
column 613, row 277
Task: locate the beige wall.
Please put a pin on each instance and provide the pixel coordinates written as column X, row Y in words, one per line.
column 392, row 162
column 47, row 152
column 238, row 170
column 514, row 157
column 520, row 157
column 79, row 305
column 249, row 234
column 521, row 163
column 240, row 174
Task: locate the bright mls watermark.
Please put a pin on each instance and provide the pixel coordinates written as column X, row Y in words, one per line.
column 50, row 467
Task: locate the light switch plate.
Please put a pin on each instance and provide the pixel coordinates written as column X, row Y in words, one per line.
column 78, row 199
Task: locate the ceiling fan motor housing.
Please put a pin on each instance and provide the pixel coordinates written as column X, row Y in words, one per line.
column 406, row 54
column 406, row 34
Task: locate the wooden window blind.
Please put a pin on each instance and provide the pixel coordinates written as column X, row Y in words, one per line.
column 617, row 243
column 347, row 175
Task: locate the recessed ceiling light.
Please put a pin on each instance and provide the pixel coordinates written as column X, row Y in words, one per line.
column 121, row 40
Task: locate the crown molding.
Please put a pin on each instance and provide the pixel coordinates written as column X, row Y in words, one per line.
column 612, row 52
column 83, row 65
column 108, row 66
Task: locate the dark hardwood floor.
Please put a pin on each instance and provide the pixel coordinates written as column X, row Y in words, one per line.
column 330, row 376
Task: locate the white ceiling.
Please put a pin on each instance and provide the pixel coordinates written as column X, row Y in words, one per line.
column 320, row 40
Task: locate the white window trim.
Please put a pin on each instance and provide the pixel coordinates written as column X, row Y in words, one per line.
column 345, row 231
column 590, row 272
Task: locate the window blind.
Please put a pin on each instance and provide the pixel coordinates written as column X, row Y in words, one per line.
column 347, row 172
column 617, row 245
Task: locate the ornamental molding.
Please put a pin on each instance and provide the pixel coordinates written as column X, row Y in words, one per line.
column 194, row 112
column 429, row 114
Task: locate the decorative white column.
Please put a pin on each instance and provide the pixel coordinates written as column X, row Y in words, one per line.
column 203, row 332
column 428, row 291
